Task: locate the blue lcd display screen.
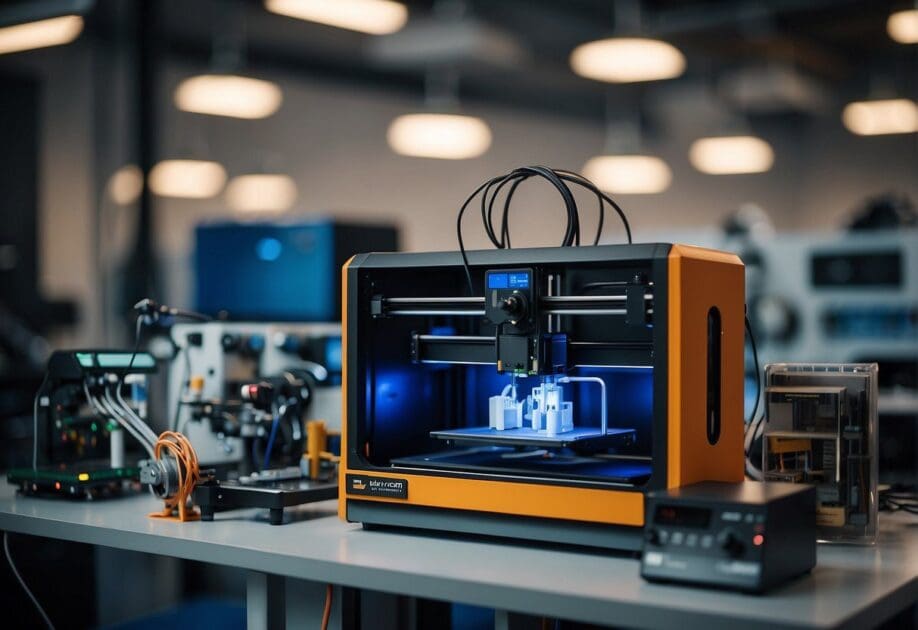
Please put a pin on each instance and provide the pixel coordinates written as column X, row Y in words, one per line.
column 498, row 281
column 508, row 280
column 519, row 280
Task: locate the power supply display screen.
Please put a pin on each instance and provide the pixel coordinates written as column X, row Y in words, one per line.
column 682, row 516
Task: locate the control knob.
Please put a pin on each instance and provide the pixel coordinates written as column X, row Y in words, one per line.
column 730, row 542
column 514, row 306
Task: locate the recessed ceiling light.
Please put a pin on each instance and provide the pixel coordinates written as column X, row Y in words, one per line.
column 228, row 95
column 189, row 179
column 443, row 136
column 731, row 155
column 628, row 174
column 375, row 17
column 40, row 34
column 627, row 60
column 125, row 185
column 902, row 26
column 261, row 192
column 880, row 117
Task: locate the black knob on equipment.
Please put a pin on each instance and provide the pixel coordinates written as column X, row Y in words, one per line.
column 230, row 342
column 730, row 542
column 514, row 306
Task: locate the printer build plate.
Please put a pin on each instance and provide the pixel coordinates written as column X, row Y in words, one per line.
column 580, row 439
column 508, row 460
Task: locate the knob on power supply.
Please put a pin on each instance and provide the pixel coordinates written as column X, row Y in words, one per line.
column 730, row 542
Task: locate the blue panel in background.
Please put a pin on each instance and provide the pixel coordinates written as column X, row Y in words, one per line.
column 266, row 271
column 333, row 354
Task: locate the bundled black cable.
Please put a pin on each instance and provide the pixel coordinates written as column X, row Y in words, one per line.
column 491, row 190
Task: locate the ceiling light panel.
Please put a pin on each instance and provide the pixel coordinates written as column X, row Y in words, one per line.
column 374, row 17
column 441, row 136
column 228, row 95
column 902, row 26
column 731, row 155
column 629, row 174
column 627, row 60
column 40, row 34
column 881, row 117
column 187, row 179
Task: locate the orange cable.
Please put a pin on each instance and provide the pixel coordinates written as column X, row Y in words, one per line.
column 189, row 474
column 329, row 590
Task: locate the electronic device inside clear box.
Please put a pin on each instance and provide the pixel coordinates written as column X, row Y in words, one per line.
column 821, row 428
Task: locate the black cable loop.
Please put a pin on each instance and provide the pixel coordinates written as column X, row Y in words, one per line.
column 490, row 192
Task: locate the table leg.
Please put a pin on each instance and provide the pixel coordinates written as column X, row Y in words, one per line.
column 306, row 604
column 265, row 601
column 274, row 603
column 501, row 620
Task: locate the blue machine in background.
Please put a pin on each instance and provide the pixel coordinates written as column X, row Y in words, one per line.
column 279, row 271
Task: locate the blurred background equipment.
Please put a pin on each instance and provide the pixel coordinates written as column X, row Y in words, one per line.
column 214, row 362
column 820, row 428
column 261, row 404
column 80, row 419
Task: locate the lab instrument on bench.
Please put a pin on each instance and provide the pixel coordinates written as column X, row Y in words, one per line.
column 747, row 536
column 261, row 403
column 79, row 441
column 821, row 429
column 546, row 403
column 212, row 363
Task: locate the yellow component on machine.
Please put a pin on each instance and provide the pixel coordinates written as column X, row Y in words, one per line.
column 317, row 446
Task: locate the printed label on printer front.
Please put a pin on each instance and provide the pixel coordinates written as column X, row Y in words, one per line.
column 377, row 486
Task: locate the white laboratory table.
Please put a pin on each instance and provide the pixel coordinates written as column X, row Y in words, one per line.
column 851, row 587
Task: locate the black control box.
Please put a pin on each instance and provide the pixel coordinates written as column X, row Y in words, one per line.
column 747, row 536
column 510, row 304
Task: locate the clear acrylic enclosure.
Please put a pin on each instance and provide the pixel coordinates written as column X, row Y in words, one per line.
column 821, row 428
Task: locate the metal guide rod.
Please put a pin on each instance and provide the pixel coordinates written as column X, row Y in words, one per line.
column 457, row 338
column 588, row 311
column 547, row 299
column 436, row 312
column 551, row 305
column 435, row 300
column 554, row 299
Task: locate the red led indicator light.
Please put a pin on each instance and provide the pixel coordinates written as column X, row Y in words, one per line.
column 757, row 540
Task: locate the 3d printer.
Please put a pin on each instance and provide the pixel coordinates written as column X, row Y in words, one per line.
column 543, row 405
